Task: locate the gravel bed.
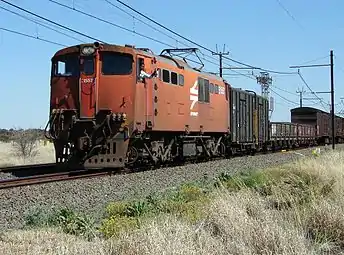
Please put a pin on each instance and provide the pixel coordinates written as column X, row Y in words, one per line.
column 4, row 176
column 91, row 195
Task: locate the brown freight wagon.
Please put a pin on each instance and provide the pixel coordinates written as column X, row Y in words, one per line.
column 286, row 135
column 321, row 120
column 283, row 134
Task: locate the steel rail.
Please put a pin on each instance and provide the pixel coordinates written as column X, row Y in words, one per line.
column 34, row 169
column 55, row 177
column 24, row 167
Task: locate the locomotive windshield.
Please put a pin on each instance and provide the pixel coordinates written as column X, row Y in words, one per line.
column 115, row 63
column 70, row 65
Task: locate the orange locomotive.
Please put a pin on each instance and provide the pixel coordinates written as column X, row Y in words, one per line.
column 106, row 111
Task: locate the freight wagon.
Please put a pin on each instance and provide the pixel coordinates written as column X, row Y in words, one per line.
column 249, row 117
column 286, row 135
column 321, row 121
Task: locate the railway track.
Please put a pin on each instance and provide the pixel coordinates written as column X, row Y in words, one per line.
column 30, row 170
column 45, row 173
column 54, row 177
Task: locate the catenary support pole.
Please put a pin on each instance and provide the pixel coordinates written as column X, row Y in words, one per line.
column 332, row 100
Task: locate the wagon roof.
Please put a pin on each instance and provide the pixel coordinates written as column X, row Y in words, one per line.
column 309, row 110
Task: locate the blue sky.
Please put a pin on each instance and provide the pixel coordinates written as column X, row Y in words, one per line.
column 259, row 33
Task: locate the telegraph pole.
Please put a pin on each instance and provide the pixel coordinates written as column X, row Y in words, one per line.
column 220, row 54
column 300, row 92
column 332, row 92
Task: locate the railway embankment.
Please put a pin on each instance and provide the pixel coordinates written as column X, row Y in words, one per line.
column 293, row 205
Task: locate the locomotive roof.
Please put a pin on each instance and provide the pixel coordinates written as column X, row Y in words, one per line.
column 146, row 52
column 171, row 61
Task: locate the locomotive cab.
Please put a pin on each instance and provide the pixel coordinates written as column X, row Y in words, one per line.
column 92, row 86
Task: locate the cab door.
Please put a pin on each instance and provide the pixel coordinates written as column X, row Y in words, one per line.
column 148, row 90
column 87, row 87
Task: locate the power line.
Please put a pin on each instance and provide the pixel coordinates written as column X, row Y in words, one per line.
column 109, row 23
column 40, row 23
column 320, row 58
column 195, row 43
column 286, row 99
column 124, row 28
column 132, row 31
column 303, row 80
column 289, row 14
column 75, row 30
column 284, row 90
column 173, row 38
column 147, row 24
column 50, row 21
column 31, row 36
column 85, row 35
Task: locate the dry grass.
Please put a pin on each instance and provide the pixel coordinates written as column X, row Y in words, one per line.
column 296, row 209
column 9, row 155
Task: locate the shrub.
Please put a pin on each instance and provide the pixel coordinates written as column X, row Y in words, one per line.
column 66, row 219
column 25, row 143
column 72, row 223
column 115, row 225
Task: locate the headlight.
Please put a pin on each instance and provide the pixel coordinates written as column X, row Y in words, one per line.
column 88, row 50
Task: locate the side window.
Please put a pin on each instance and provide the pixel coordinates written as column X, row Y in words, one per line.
column 61, row 68
column 203, row 90
column 206, row 91
column 200, row 89
column 174, row 78
column 166, row 76
column 181, row 80
column 216, row 89
column 211, row 88
column 140, row 61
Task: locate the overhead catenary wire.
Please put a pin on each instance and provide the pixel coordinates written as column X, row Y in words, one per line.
column 303, row 80
column 284, row 98
column 132, row 31
column 50, row 21
column 199, row 45
column 75, row 31
column 123, row 28
column 171, row 37
column 143, row 22
column 67, row 28
column 40, row 23
column 31, row 36
column 109, row 23
column 289, row 14
column 284, row 90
